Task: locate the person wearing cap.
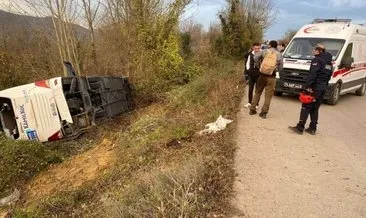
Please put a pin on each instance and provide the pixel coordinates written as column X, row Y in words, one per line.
column 317, row 82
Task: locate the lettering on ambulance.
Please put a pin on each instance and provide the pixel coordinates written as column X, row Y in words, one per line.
column 311, row 29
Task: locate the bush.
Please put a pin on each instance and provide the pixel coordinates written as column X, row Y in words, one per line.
column 20, row 160
column 10, row 74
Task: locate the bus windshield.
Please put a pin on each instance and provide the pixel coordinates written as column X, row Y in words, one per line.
column 302, row 48
column 8, row 123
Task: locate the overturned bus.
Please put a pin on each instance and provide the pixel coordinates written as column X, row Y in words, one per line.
column 61, row 107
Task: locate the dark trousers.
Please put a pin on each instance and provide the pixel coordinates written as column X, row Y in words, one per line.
column 267, row 84
column 252, row 83
column 311, row 109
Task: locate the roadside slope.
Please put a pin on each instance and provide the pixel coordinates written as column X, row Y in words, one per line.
column 72, row 173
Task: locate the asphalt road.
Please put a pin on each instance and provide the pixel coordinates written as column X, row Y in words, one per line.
column 282, row 174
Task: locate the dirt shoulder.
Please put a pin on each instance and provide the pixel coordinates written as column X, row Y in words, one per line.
column 281, row 174
column 72, row 173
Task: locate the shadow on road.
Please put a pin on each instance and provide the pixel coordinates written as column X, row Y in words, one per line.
column 344, row 99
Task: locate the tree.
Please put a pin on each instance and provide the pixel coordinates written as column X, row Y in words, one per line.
column 288, row 36
column 63, row 14
column 148, row 31
column 185, row 41
column 191, row 37
column 243, row 22
column 91, row 9
column 137, row 38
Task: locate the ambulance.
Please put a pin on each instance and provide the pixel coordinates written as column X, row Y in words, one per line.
column 345, row 41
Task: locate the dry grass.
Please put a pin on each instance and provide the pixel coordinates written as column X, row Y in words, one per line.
column 168, row 193
column 163, row 168
column 22, row 160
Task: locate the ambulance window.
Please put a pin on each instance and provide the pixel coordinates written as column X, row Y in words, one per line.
column 347, row 53
column 301, row 48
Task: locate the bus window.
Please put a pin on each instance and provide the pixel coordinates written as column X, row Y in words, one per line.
column 7, row 119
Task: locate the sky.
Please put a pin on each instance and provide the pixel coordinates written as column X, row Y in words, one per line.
column 291, row 14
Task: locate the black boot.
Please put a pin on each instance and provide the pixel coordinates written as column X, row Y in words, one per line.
column 252, row 112
column 296, row 129
column 263, row 115
column 311, row 131
column 304, row 113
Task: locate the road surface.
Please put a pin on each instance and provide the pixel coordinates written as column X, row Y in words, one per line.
column 282, row 174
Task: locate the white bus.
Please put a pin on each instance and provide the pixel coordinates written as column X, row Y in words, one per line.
column 62, row 107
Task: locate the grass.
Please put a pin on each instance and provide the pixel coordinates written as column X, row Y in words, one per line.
column 170, row 193
column 164, row 169
column 19, row 161
column 197, row 183
column 22, row 160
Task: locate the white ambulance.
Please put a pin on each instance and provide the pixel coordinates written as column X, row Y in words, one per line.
column 345, row 41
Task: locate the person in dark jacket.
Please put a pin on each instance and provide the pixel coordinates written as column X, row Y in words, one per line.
column 317, row 82
column 251, row 71
column 281, row 47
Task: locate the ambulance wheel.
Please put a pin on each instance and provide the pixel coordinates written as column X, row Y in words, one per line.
column 334, row 97
column 361, row 91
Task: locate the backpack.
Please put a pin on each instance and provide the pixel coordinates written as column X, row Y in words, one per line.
column 269, row 63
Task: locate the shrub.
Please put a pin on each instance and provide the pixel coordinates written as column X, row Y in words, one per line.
column 20, row 160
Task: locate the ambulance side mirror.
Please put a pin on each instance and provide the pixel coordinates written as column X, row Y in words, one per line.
column 347, row 62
